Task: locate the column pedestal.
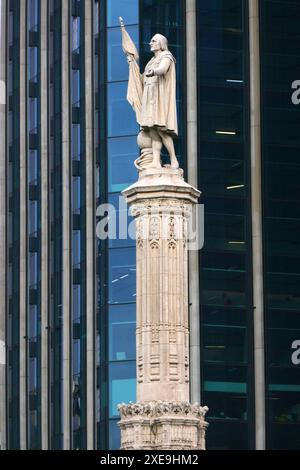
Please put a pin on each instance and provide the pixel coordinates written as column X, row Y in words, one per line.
column 161, row 202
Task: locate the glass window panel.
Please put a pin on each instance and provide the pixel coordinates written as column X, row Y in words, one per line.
column 123, row 224
column 222, row 177
column 285, row 436
column 76, row 289
column 76, row 34
column 117, row 67
column 32, row 374
column 33, row 218
column 122, row 385
column 114, row 435
column 235, row 377
column 76, row 195
column 10, row 28
column 33, row 321
column 122, row 269
column 33, row 269
column 128, row 9
column 33, row 167
column 96, row 17
column 121, row 118
column 76, row 87
column 33, row 15
column 76, row 143
column 76, row 248
column 122, row 332
column 281, row 144
column 224, row 233
column 76, row 357
column 223, row 122
column 230, row 406
column 224, row 316
column 228, row 436
column 33, row 64
column 122, row 153
column 225, row 344
column 280, row 346
column 279, row 318
column 33, row 115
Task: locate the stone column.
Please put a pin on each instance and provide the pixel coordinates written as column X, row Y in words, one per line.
column 257, row 233
column 162, row 418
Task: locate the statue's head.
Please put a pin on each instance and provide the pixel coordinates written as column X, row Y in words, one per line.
column 159, row 43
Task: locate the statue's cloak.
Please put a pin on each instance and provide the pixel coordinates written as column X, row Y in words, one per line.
column 159, row 97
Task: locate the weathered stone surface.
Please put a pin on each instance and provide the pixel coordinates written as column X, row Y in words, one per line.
column 163, row 425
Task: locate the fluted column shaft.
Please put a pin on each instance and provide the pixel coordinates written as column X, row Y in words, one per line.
column 162, row 299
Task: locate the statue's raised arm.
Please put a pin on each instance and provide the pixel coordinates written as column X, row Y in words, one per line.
column 153, row 97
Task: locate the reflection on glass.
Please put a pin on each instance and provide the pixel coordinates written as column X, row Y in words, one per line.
column 128, row 9
column 223, row 173
column 123, row 222
column 122, row 332
column 230, row 435
column 114, row 435
column 122, row 152
column 281, row 170
column 117, row 67
column 225, row 344
column 122, row 385
column 122, row 268
column 121, row 118
column 76, row 144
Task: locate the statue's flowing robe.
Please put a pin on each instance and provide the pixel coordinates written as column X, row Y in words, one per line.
column 159, row 97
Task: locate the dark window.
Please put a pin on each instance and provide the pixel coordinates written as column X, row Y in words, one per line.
column 281, row 218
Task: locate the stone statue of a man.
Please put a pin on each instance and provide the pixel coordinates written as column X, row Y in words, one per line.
column 153, row 97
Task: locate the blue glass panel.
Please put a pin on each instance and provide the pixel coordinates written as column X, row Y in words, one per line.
column 122, row 271
column 121, row 118
column 114, row 435
column 122, row 385
column 124, row 224
column 128, row 9
column 122, row 153
column 76, row 248
column 33, row 64
column 76, row 34
column 33, row 15
column 76, row 88
column 117, row 67
column 122, row 332
column 76, row 143
column 33, row 115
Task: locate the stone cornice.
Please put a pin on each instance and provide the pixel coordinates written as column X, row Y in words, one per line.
column 162, row 408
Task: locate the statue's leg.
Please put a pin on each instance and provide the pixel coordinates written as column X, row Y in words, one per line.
column 156, row 148
column 169, row 144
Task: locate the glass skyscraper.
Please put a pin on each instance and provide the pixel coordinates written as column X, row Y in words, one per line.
column 67, row 148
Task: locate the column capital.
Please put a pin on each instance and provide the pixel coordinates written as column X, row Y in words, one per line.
column 161, row 184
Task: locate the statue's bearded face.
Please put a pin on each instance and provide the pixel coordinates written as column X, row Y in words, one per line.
column 155, row 44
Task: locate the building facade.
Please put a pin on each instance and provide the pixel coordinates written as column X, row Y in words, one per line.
column 67, row 147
